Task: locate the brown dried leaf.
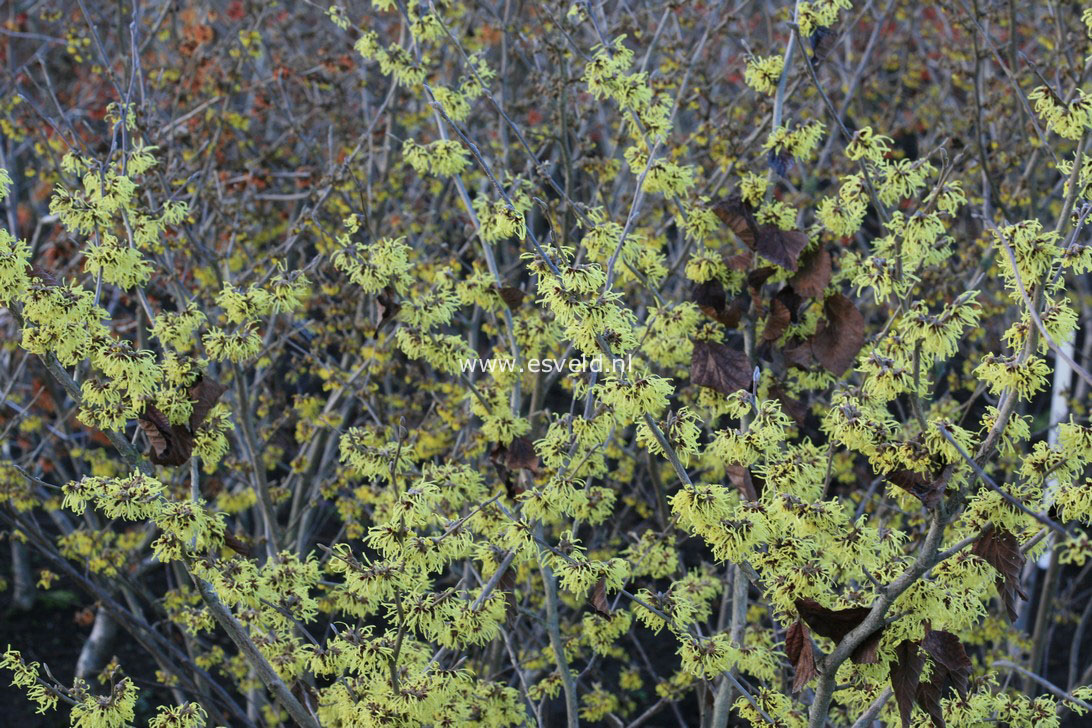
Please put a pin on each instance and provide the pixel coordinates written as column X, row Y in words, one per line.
column 509, row 459
column 1001, row 550
column 839, row 336
column 204, row 393
column 521, row 454
column 170, row 444
column 814, row 274
column 951, row 670
column 734, row 312
column 796, row 636
column 710, row 297
column 801, row 653
column 905, row 677
column 821, row 42
column 791, row 300
column 867, row 653
column 740, row 477
column 837, row 623
column 512, row 485
column 508, row 580
column 758, row 277
column 927, row 490
column 780, row 161
column 157, row 438
column 928, row 697
column 386, row 307
column 713, row 301
column 511, row 296
column 777, row 321
column 599, row 597
column 44, row 275
column 716, row 366
column 737, row 215
column 739, row 262
column 950, row 660
column 755, row 280
column 782, row 247
column 799, row 353
column 832, row 623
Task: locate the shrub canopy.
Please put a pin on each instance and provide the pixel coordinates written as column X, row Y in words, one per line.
column 536, row 363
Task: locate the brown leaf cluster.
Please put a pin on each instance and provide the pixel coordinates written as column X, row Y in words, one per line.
column 171, row 444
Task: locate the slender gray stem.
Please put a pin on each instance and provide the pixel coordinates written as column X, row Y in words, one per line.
column 256, row 659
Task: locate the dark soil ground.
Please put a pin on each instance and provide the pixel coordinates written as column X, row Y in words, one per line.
column 48, row 635
column 52, row 634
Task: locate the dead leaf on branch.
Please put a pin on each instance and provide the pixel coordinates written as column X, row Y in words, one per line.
column 512, row 296
column 755, row 280
column 925, row 489
column 1001, row 550
column 951, row 671
column 510, row 459
column 710, row 297
column 777, row 321
column 837, row 623
column 237, row 545
column 947, row 651
column 740, row 262
column 740, row 477
column 714, row 365
column 799, row 354
column 928, row 697
column 45, row 275
column 169, row 444
column 905, row 677
column 791, row 300
column 780, row 161
column 713, row 301
column 801, row 653
column 821, row 42
column 173, row 444
column 782, row 247
column 521, row 454
column 737, row 215
column 204, row 395
column 840, row 335
column 813, row 275
column 386, row 307
column 758, row 277
column 599, row 597
column 507, row 586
